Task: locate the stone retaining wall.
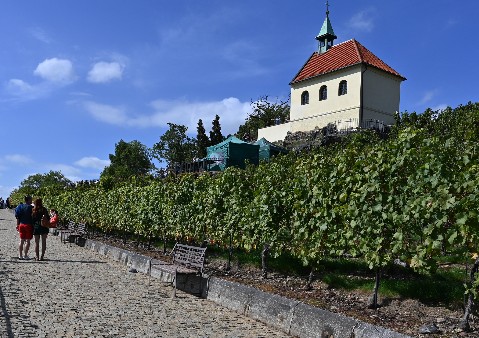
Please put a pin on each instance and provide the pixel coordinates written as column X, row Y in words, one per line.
column 291, row 316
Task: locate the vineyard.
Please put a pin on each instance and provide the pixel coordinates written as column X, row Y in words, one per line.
column 411, row 197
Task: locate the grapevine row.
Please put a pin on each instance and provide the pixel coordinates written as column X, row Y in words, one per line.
column 409, row 197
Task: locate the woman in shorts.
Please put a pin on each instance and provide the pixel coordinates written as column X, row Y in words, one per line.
column 39, row 212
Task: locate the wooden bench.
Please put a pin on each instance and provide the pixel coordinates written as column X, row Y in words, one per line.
column 186, row 259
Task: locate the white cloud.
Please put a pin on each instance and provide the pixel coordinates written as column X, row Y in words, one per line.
column 18, row 159
column 70, row 172
column 39, row 34
column 440, row 107
column 363, row 20
column 103, row 72
column 107, row 113
column 427, row 96
column 232, row 113
column 231, row 110
column 92, row 162
column 19, row 87
column 56, row 70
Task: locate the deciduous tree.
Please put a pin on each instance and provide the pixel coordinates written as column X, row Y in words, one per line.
column 37, row 185
column 265, row 113
column 174, row 146
column 130, row 159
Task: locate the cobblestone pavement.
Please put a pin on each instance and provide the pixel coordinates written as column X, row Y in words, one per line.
column 77, row 293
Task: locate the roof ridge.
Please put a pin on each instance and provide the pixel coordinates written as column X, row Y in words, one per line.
column 358, row 52
column 342, row 55
column 342, row 43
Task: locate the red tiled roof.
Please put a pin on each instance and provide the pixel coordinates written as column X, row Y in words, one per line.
column 345, row 54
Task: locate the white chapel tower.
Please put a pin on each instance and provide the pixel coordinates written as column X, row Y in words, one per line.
column 345, row 84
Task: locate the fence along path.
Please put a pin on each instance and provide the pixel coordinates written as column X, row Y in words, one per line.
column 77, row 293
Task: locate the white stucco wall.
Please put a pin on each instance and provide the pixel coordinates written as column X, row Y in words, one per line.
column 381, row 95
column 279, row 132
column 275, row 133
column 333, row 103
column 322, row 120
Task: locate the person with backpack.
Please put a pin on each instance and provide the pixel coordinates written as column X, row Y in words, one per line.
column 23, row 214
column 41, row 227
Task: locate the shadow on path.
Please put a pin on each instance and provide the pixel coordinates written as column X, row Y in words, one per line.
column 46, row 260
column 6, row 315
column 68, row 261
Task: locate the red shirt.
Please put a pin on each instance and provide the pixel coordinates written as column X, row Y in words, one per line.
column 54, row 221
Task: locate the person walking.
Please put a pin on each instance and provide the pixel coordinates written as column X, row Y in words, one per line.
column 23, row 214
column 39, row 213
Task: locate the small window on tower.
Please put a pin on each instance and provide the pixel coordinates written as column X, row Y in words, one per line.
column 343, row 88
column 304, row 98
column 323, row 93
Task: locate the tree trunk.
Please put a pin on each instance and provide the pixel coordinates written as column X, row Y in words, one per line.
column 470, row 301
column 309, row 284
column 264, row 260
column 373, row 303
column 230, row 253
column 164, row 244
column 149, row 241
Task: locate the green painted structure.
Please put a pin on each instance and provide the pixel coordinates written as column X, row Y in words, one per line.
column 231, row 152
column 235, row 152
column 268, row 149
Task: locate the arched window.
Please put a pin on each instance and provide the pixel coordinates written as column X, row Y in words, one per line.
column 323, row 93
column 304, row 98
column 343, row 88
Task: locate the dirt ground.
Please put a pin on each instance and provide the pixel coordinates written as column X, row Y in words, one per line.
column 407, row 316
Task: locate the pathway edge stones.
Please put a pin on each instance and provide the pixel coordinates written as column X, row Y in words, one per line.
column 290, row 316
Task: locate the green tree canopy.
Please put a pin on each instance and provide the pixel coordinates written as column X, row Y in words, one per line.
column 265, row 113
column 174, row 146
column 36, row 185
column 215, row 134
column 202, row 140
column 130, row 159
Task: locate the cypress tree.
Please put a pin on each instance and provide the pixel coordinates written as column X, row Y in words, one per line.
column 215, row 133
column 202, row 140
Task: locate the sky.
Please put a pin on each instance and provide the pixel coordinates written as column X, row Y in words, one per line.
column 76, row 77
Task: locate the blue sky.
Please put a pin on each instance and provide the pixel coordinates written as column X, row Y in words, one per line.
column 78, row 76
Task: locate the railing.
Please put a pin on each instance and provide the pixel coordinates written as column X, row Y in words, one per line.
column 195, row 166
column 353, row 125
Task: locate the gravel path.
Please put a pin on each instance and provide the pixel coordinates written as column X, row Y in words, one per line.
column 77, row 293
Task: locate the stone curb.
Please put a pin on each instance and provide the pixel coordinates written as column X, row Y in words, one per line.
column 290, row 316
